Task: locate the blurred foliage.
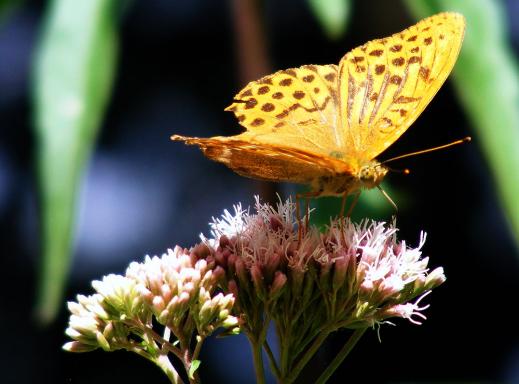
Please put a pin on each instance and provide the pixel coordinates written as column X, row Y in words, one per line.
column 371, row 204
column 487, row 81
column 73, row 78
column 333, row 15
column 6, row 7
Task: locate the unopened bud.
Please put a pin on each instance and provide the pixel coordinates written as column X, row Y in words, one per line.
column 280, row 279
column 435, row 278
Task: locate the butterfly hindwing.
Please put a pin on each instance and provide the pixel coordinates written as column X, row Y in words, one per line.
column 262, row 162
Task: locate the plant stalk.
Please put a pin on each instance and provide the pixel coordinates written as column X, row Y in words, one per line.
column 337, row 361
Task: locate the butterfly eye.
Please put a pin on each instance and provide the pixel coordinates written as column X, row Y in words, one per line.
column 366, row 173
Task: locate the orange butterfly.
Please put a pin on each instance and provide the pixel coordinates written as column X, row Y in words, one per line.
column 324, row 125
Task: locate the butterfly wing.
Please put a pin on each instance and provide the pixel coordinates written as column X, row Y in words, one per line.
column 295, row 108
column 385, row 84
column 264, row 162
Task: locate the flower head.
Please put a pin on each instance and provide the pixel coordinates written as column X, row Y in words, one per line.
column 349, row 275
column 177, row 289
column 90, row 326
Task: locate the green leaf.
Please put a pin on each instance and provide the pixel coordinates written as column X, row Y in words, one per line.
column 73, row 78
column 486, row 78
column 333, row 15
column 193, row 367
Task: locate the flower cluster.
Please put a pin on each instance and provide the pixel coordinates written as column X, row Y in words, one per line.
column 98, row 320
column 306, row 282
column 360, row 272
column 350, row 276
column 178, row 285
column 176, row 290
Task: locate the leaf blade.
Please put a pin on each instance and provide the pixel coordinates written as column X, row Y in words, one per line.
column 73, row 76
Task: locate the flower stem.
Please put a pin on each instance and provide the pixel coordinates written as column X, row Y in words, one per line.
column 164, row 363
column 257, row 356
column 306, row 357
column 354, row 338
column 150, row 332
column 272, row 360
column 198, row 347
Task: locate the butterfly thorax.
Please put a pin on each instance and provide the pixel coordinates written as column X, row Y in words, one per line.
column 368, row 176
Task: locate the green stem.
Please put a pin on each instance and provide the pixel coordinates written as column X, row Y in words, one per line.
column 163, row 362
column 272, row 360
column 198, row 347
column 284, row 352
column 150, row 332
column 352, row 341
column 258, row 361
column 306, row 357
column 190, row 358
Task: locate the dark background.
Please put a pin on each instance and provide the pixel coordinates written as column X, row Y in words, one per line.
column 143, row 194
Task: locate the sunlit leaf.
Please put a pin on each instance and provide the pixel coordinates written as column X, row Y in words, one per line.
column 487, row 81
column 333, row 15
column 73, row 78
column 195, row 364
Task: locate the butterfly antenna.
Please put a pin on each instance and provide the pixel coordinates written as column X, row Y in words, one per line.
column 461, row 141
column 388, row 198
column 404, row 171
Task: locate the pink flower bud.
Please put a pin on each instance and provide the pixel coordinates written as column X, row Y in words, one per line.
column 158, row 304
column 297, row 278
column 221, row 257
column 241, row 271
column 201, row 265
column 257, row 279
column 435, row 278
column 233, row 287
column 272, row 263
column 103, row 343
column 76, row 346
column 276, row 223
column 224, row 242
column 280, row 280
column 218, row 274
column 339, row 271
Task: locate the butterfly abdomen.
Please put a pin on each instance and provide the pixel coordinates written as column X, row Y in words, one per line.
column 335, row 185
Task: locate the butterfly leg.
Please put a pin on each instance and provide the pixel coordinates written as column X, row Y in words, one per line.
column 307, row 217
column 298, row 215
column 353, row 204
column 341, row 217
column 307, row 196
column 350, row 209
column 343, row 204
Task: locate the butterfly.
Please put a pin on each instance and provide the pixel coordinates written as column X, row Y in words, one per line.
column 324, row 125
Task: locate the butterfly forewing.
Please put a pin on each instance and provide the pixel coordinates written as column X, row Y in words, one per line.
column 385, row 84
column 295, row 107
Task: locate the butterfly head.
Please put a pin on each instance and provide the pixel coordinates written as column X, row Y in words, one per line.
column 371, row 174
